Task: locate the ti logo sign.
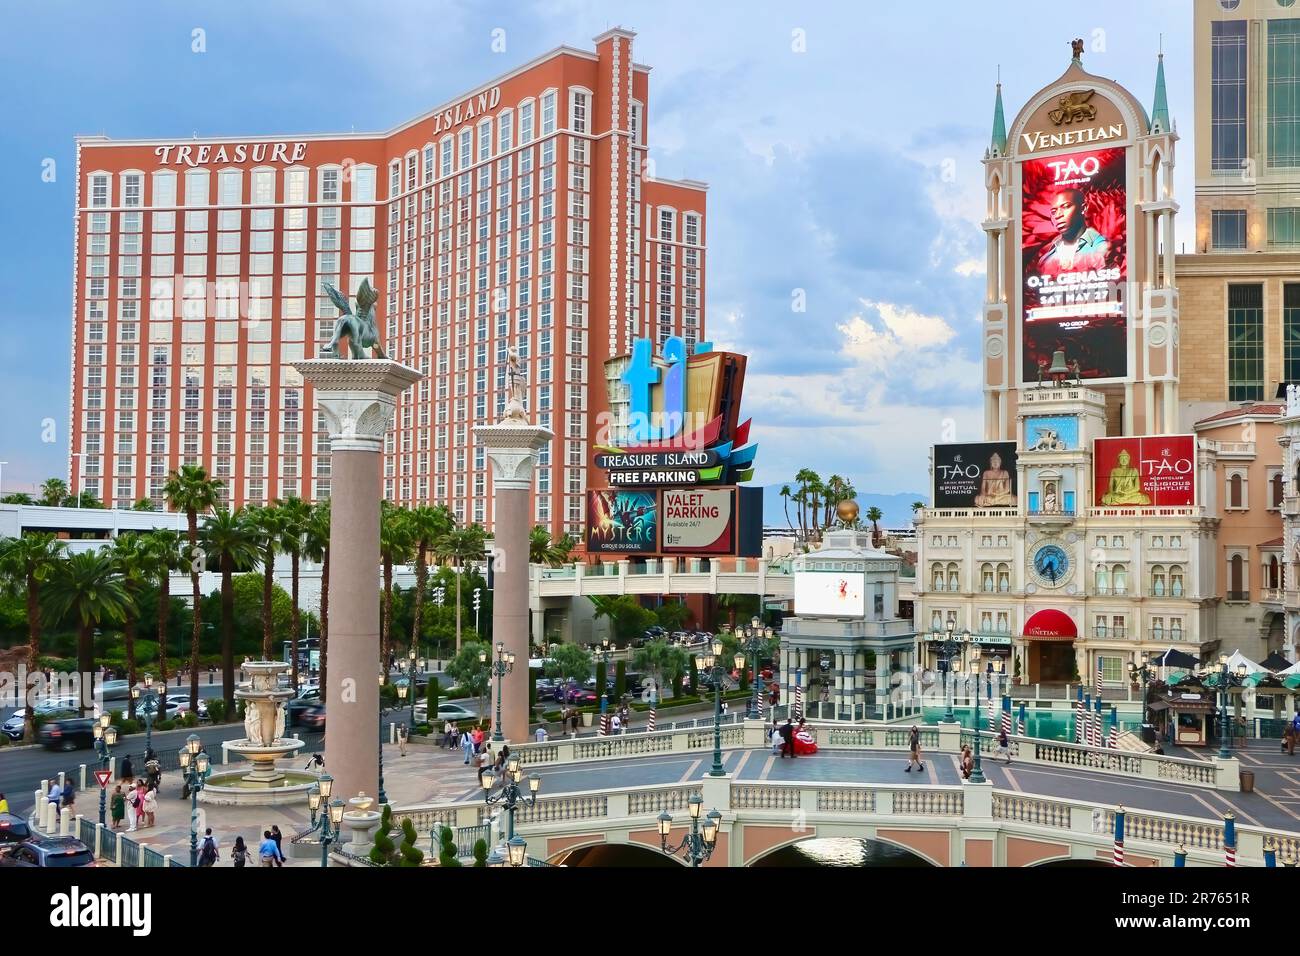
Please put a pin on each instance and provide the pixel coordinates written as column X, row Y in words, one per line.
column 641, row 378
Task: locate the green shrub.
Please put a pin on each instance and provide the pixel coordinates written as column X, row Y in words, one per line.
column 447, row 855
column 620, row 679
column 189, row 719
column 431, row 696
column 694, row 670
column 128, row 726
column 480, row 852
column 388, row 694
column 601, row 671
column 217, row 711
column 165, row 725
column 381, row 854
column 410, row 853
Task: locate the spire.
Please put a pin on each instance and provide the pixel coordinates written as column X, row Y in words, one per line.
column 1160, row 108
column 999, row 144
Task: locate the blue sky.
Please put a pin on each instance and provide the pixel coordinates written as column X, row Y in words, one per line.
column 842, row 142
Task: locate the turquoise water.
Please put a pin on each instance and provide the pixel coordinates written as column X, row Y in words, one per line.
column 1044, row 723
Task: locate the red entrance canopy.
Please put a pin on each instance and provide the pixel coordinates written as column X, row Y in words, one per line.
column 1050, row 625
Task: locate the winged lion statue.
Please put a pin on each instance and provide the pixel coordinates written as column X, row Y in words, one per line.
column 359, row 327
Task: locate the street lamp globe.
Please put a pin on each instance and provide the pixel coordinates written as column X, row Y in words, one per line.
column 534, row 783
column 488, row 779
column 184, row 758
column 326, row 784
column 712, row 820
column 482, row 657
column 518, row 849
column 193, row 744
column 105, row 719
column 665, row 824
column 313, row 798
column 739, row 661
column 1223, row 660
column 693, row 805
column 401, row 691
column 755, row 623
column 512, row 766
column 110, row 736
column 96, row 731
column 706, row 662
column 201, row 763
column 411, row 655
column 717, row 647
column 336, row 812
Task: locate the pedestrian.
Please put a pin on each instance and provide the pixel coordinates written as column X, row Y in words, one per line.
column 239, row 855
column 208, row 854
column 467, row 747
column 401, row 739
column 1003, row 749
column 541, row 733
column 448, row 733
column 69, row 792
column 615, row 725
column 484, row 758
column 266, row 850
column 967, row 762
column 119, row 807
column 150, row 806
column 774, row 733
column 787, row 738
column 277, row 836
column 914, row 745
column 133, row 803
column 128, row 772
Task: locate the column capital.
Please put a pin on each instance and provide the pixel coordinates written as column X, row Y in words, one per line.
column 358, row 398
column 512, row 448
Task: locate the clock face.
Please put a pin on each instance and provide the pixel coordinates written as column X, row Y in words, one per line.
column 1051, row 564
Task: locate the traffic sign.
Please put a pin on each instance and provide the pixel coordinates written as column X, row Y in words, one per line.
column 102, row 777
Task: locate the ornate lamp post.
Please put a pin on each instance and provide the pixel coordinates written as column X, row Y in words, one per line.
column 1143, row 674
column 711, row 662
column 752, row 641
column 1227, row 679
column 146, row 705
column 977, row 772
column 330, row 821
column 600, row 654
column 950, row 648
column 511, row 794
column 516, row 853
column 697, row 845
column 415, row 666
column 194, row 765
column 105, row 738
column 503, row 663
column 383, row 797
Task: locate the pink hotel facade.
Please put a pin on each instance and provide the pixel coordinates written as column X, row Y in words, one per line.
column 517, row 214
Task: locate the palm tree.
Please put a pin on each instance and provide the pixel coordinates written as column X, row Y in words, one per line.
column 874, row 514
column 53, row 491
column 807, row 480
column 316, row 547
column 144, row 504
column 785, row 501
column 542, row 550
column 427, row 526
column 815, row 490
column 161, row 552
column 267, row 524
column 395, row 540
column 129, row 553
column 18, row 498
column 189, row 489
column 297, row 515
column 458, row 546
column 89, row 587
column 25, row 564
column 231, row 540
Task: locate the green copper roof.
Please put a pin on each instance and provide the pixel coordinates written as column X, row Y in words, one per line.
column 1160, row 108
column 999, row 144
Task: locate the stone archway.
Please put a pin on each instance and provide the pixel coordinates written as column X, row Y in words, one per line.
column 842, row 851
column 598, row 853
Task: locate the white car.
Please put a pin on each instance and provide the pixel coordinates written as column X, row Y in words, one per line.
column 13, row 726
column 453, row 712
column 178, row 704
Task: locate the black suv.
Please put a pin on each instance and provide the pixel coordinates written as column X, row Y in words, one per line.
column 68, row 733
column 13, row 829
column 48, row 852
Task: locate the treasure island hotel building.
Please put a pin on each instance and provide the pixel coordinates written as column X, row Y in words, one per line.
column 516, row 214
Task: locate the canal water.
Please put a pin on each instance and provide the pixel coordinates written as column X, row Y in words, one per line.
column 841, row 852
column 1044, row 723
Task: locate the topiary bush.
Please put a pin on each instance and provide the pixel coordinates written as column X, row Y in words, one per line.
column 381, row 854
column 431, row 698
column 480, row 852
column 447, row 855
column 620, row 679
column 411, row 855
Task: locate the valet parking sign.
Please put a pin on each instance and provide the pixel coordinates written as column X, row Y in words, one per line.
column 699, row 520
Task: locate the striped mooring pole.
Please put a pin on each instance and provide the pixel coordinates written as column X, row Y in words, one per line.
column 1119, row 836
column 1270, row 853
column 1087, row 720
column 1020, row 724
column 1114, row 727
column 798, row 694
column 1098, row 725
column 1078, row 715
column 650, row 724
column 1229, row 840
column 1096, row 681
column 1180, row 856
column 1006, row 715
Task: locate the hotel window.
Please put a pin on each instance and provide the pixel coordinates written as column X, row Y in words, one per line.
column 1157, row 541
column 666, row 217
column 1228, row 95
column 636, row 122
column 1100, row 627
column 578, row 110
column 1176, row 580
column 1284, row 227
column 1283, row 106
column 466, row 147
column 99, row 190
column 196, row 187
column 692, row 222
column 363, row 190
column 1101, row 579
column 1159, row 584
column 329, row 185
column 164, row 191
column 295, row 185
column 986, row 577
column 1246, row 342
column 526, row 122
column 230, row 187
column 412, row 170
column 1117, row 626
column 1175, row 628
column 1237, row 490
column 548, row 112
column 485, row 139
column 263, row 192
column 1157, row 629
column 132, row 190
column 1228, row 229
column 1112, row 670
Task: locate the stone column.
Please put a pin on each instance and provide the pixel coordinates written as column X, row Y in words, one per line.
column 512, row 447
column 358, row 398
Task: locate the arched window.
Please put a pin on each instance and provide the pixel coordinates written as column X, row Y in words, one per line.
column 1004, row 578
column 1234, row 491
column 1274, row 574
column 1236, row 577
column 1176, row 580
column 1275, row 490
column 1158, row 580
column 1119, row 578
column 954, row 579
column 936, row 576
column 1102, row 581
column 986, row 577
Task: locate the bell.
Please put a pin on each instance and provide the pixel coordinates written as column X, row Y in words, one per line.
column 1058, row 364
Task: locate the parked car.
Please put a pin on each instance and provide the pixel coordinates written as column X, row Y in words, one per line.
column 178, row 704
column 453, row 712
column 547, row 686
column 297, row 711
column 68, row 733
column 13, row 726
column 51, row 852
column 13, row 829
column 114, row 690
column 309, row 692
column 313, row 717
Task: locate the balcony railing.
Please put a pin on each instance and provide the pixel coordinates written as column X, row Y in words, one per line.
column 1238, row 595
column 1107, row 591
column 1106, row 633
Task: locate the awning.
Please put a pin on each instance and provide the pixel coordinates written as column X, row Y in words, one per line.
column 1275, row 662
column 1050, row 624
column 1156, row 706
column 1237, row 659
column 1177, row 677
column 1292, row 682
column 1176, row 658
column 1254, row 680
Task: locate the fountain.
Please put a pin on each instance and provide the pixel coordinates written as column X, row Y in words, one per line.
column 264, row 743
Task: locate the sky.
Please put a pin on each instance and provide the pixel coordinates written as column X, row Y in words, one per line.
column 842, row 143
